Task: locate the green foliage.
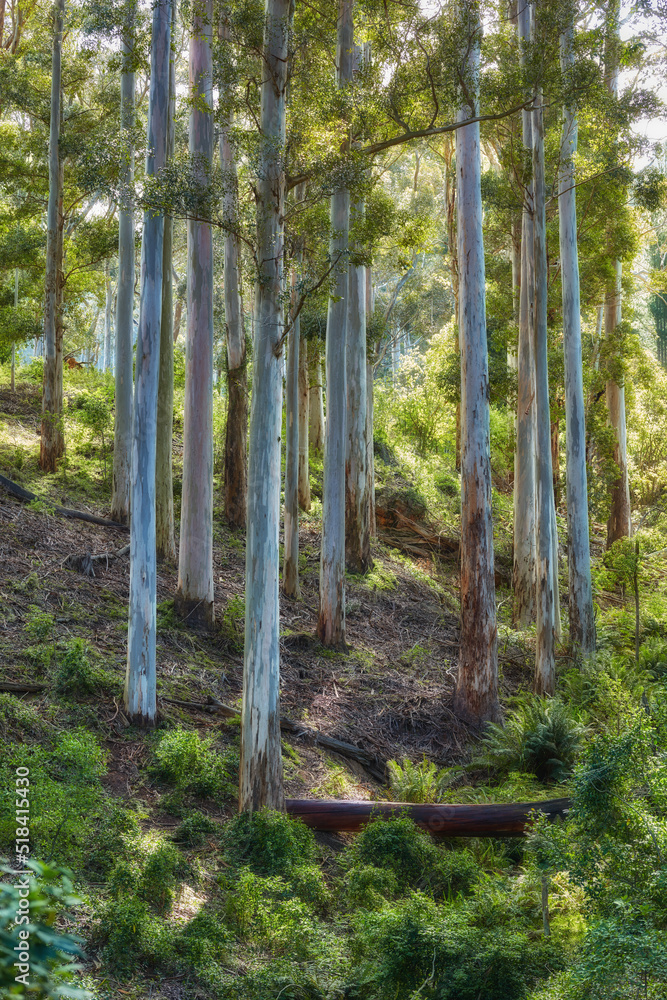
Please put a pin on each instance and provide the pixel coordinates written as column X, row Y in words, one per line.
column 185, row 759
column 413, row 782
column 52, row 964
column 75, row 674
column 233, row 622
column 269, row 843
column 18, row 721
column 540, row 737
column 195, row 829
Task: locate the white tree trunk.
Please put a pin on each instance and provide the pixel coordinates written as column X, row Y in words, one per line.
column 524, row 455
column 357, row 533
column 290, row 584
column 140, row 680
column 315, row 397
column 260, row 782
column 194, row 597
column 120, row 494
column 546, row 592
column 331, row 622
column 106, row 361
column 304, row 459
column 476, row 696
column 370, row 441
column 52, row 443
column 580, row 604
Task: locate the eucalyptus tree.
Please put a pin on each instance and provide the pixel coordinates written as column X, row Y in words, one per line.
column 580, row 603
column 108, row 290
column 331, row 621
column 303, row 414
column 236, row 429
column 164, row 480
column 260, row 772
column 140, row 678
column 316, row 422
column 290, row 584
column 476, row 696
column 52, row 443
column 120, row 494
column 194, row 597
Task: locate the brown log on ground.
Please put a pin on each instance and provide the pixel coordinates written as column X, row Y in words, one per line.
column 22, row 494
column 464, row 820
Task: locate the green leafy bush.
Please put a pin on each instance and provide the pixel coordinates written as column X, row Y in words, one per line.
column 195, row 829
column 75, row 674
column 540, row 737
column 187, row 760
column 131, row 934
column 269, row 843
column 413, row 782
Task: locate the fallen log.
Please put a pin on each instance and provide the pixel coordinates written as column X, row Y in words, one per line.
column 85, row 563
column 82, row 515
column 18, row 687
column 447, row 820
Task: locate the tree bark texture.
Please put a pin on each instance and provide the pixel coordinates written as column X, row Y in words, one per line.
column 194, row 597
column 315, row 397
column 52, row 444
column 370, row 438
column 120, row 494
column 357, row 531
column 580, row 602
column 140, row 680
column 304, row 458
column 164, row 480
column 260, row 784
column 476, row 695
column 524, row 455
column 290, row 584
column 236, row 431
column 108, row 291
column 331, row 621
column 546, row 593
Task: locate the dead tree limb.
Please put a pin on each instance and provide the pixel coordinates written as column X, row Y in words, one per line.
column 26, row 495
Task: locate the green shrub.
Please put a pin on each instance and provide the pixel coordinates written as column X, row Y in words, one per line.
column 233, row 622
column 266, row 910
column 369, row 887
column 413, row 782
column 131, row 933
column 150, row 877
column 115, row 831
column 18, row 719
column 39, row 625
column 653, row 659
column 539, row 738
column 195, row 829
column 189, row 761
column 78, row 758
column 74, row 673
column 269, row 843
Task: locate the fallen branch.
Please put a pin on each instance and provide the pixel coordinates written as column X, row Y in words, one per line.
column 85, row 563
column 17, row 687
column 461, row 820
column 22, row 494
column 374, row 766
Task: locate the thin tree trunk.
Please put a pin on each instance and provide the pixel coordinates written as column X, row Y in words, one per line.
column 370, row 435
column 194, row 597
column 304, row 458
column 164, row 483
column 106, row 357
column 331, row 621
column 580, row 601
column 357, row 532
column 547, row 593
column 140, row 680
column 261, row 784
column 52, row 444
column 476, row 696
column 524, row 456
column 178, row 312
column 290, row 584
column 16, row 306
column 315, row 397
column 120, row 494
column 236, row 432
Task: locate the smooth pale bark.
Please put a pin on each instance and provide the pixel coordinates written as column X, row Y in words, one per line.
column 260, row 773
column 370, row 442
column 546, row 565
column 476, row 695
column 315, row 397
column 120, row 494
column 16, row 306
column 331, row 621
column 580, row 603
column 523, row 577
column 357, row 532
column 106, row 357
column 140, row 680
column 236, row 432
column 178, row 313
column 290, row 585
column 52, row 444
column 304, row 471
column 164, row 480
column 194, row 596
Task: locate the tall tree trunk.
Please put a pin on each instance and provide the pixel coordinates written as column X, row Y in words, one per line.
column 546, row 592
column 331, row 622
column 120, row 494
column 16, row 306
column 52, row 444
column 106, row 361
column 315, row 397
column 164, row 480
column 370, row 435
column 261, row 784
column 236, row 433
column 194, row 597
column 178, row 312
column 619, row 524
column 524, row 456
column 357, row 532
column 290, row 585
column 476, row 696
column 140, row 680
column 304, row 459
column 580, row 603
